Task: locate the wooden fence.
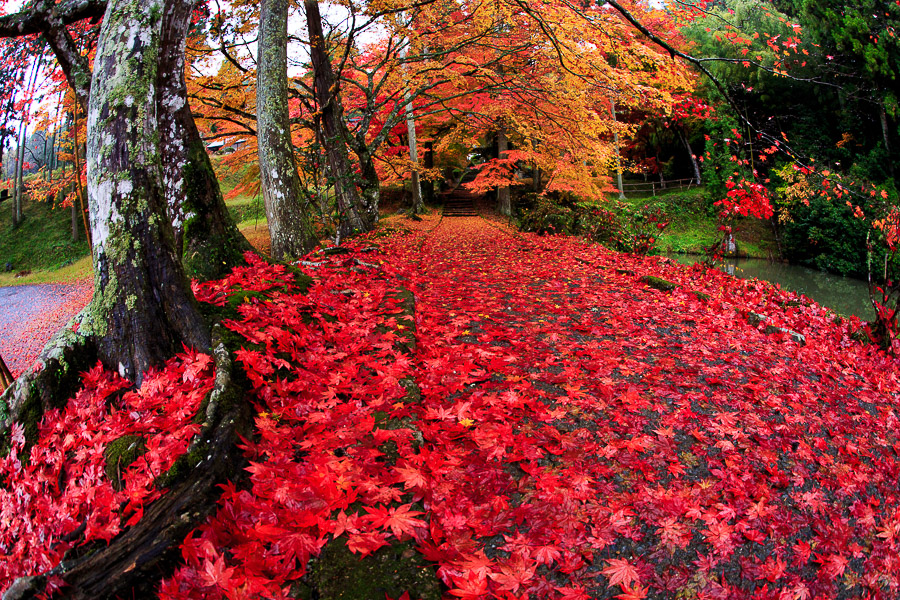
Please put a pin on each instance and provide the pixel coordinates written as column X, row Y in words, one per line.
column 652, row 187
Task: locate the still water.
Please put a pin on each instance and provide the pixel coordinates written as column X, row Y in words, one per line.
column 841, row 294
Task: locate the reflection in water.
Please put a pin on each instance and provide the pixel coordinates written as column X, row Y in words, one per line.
column 842, row 294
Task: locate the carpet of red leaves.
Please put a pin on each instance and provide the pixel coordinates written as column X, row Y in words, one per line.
column 31, row 314
column 579, row 434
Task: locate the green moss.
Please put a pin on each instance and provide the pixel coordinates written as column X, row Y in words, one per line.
column 700, row 295
column 180, row 469
column 301, row 280
column 31, row 415
column 860, row 335
column 120, row 454
column 413, row 393
column 240, row 296
column 338, row 574
column 659, row 283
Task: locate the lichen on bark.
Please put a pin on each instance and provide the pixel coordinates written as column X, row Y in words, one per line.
column 287, row 207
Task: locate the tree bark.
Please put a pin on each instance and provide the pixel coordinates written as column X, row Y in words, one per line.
column 287, row 208
column 691, row 155
column 6, row 378
column 18, row 184
column 612, row 109
column 206, row 237
column 143, row 308
column 358, row 214
column 417, row 204
column 886, row 134
column 504, row 204
column 428, row 162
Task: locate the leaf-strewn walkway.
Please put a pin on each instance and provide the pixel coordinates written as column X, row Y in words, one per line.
column 572, row 432
column 31, row 314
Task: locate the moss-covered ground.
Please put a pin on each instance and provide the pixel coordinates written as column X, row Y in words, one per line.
column 693, row 225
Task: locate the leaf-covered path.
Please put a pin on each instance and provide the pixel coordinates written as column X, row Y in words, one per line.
column 547, row 425
column 31, row 314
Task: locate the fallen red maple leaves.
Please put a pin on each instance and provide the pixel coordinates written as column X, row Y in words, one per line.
column 63, row 495
column 577, row 430
column 32, row 314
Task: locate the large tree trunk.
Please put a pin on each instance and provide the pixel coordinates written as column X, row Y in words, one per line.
column 206, row 237
column 143, row 308
column 358, row 214
column 886, row 134
column 287, row 210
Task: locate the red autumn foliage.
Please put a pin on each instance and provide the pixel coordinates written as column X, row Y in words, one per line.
column 580, row 434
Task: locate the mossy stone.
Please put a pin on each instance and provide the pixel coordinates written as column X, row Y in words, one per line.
column 659, row 283
column 120, row 454
column 338, row 574
column 700, row 296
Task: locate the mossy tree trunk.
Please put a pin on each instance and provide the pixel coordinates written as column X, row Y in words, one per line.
column 143, row 308
column 206, row 236
column 287, row 208
column 358, row 212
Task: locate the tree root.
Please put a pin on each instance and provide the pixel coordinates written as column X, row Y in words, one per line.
column 49, row 383
column 133, row 562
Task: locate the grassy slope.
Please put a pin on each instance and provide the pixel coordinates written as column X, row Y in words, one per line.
column 692, row 225
column 43, row 244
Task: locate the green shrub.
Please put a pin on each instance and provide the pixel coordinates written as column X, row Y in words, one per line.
column 615, row 225
column 827, row 236
column 546, row 215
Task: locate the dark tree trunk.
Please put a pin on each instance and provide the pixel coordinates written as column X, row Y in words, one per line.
column 205, row 234
column 18, row 182
column 504, row 204
column 428, row 162
column 74, row 221
column 358, row 214
column 886, row 134
column 287, row 208
column 143, row 308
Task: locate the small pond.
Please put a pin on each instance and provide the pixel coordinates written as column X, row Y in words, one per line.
column 842, row 294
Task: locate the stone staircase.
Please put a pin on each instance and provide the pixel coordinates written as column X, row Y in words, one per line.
column 460, row 203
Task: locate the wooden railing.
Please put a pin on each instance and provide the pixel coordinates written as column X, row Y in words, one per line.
column 652, row 187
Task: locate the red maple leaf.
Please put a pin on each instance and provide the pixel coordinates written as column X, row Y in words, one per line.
column 400, row 520
column 620, row 571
